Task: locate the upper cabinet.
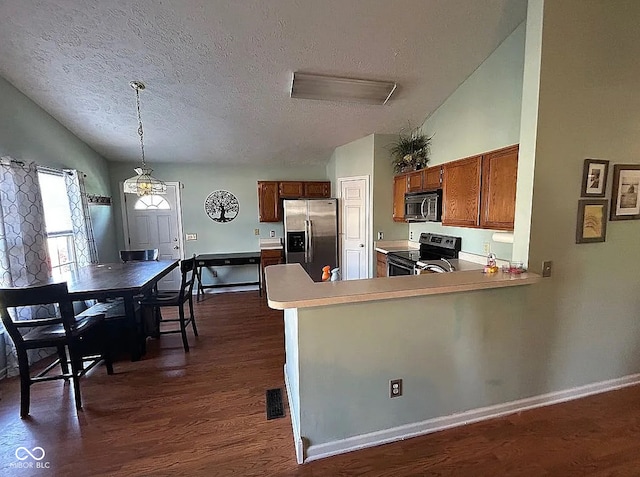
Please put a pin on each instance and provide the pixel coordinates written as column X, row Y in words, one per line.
column 399, row 189
column 291, row 189
column 271, row 193
column 499, row 174
column 432, row 178
column 414, row 181
column 320, row 190
column 480, row 191
column 461, row 192
column 269, row 209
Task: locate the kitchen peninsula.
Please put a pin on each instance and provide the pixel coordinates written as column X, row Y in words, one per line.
column 346, row 340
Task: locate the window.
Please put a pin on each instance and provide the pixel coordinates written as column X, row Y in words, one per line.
column 152, row 202
column 57, row 216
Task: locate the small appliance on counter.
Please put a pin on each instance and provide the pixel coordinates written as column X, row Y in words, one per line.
column 433, row 247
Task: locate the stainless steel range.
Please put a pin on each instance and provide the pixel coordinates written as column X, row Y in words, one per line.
column 434, row 254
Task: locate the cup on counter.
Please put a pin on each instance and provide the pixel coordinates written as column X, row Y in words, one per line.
column 516, row 268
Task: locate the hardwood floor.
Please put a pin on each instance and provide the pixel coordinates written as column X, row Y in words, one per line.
column 203, row 413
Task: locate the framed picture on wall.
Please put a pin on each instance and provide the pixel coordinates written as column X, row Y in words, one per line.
column 625, row 195
column 592, row 220
column 594, row 178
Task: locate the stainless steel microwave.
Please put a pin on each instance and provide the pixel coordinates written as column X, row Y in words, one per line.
column 423, row 206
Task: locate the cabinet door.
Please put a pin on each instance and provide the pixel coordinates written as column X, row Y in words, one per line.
column 399, row 189
column 319, row 190
column 461, row 192
column 291, row 189
column 432, row 178
column 269, row 257
column 499, row 174
column 381, row 264
column 414, row 181
column 268, row 202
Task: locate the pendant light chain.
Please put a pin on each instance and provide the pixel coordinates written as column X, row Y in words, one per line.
column 140, row 130
column 143, row 183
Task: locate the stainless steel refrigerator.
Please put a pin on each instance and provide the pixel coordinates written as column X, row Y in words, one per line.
column 311, row 234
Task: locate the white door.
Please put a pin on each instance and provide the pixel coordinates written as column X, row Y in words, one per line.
column 154, row 221
column 354, row 200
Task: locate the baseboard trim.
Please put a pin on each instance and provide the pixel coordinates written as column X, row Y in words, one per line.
column 297, row 440
column 320, row 451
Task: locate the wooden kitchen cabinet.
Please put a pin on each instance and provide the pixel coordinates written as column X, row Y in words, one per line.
column 381, row 264
column 499, row 174
column 461, row 192
column 480, row 191
column 291, row 189
column 269, row 209
column 432, row 178
column 269, row 257
column 399, row 189
column 319, row 190
column 414, row 181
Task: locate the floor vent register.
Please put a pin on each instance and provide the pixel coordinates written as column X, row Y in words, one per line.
column 275, row 408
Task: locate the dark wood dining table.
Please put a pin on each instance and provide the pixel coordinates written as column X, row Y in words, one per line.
column 118, row 280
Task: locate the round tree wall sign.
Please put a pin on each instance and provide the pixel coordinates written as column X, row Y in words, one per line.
column 221, row 206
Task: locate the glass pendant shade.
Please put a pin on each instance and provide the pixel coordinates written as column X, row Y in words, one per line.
column 144, row 183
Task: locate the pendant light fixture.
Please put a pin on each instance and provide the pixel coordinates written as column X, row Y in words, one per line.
column 143, row 183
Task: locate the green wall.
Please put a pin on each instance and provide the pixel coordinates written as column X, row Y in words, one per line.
column 369, row 156
column 383, row 191
column 483, row 114
column 469, row 350
column 199, row 180
column 28, row 133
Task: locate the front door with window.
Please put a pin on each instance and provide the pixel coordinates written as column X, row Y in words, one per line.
column 154, row 221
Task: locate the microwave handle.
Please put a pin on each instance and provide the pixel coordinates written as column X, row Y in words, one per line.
column 422, row 212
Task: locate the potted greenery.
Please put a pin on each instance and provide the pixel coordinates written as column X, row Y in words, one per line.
column 410, row 153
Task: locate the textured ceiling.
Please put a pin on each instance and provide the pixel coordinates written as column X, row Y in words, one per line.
column 218, row 72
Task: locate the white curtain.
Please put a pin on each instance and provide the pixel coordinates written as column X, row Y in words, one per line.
column 24, row 258
column 84, row 240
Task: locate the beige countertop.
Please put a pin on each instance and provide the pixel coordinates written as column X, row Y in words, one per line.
column 289, row 286
column 270, row 244
column 386, row 246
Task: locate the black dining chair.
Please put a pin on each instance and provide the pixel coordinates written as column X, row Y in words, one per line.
column 176, row 299
column 55, row 326
column 139, row 255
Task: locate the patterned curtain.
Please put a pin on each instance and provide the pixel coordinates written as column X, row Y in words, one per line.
column 84, row 240
column 24, row 259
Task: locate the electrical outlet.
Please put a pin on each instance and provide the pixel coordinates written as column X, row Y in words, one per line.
column 486, row 248
column 256, row 231
column 380, row 235
column 272, row 234
column 395, row 388
column 546, row 268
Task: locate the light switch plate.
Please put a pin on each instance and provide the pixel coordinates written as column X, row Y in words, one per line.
column 191, row 237
column 380, row 235
column 272, row 234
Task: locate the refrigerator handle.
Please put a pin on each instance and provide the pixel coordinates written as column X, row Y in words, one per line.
column 307, row 232
column 310, row 246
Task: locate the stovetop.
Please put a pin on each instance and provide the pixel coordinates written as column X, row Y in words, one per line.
column 413, row 255
column 432, row 247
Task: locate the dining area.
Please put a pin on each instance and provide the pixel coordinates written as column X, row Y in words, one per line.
column 97, row 313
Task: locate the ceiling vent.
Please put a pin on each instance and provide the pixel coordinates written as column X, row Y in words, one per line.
column 332, row 88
